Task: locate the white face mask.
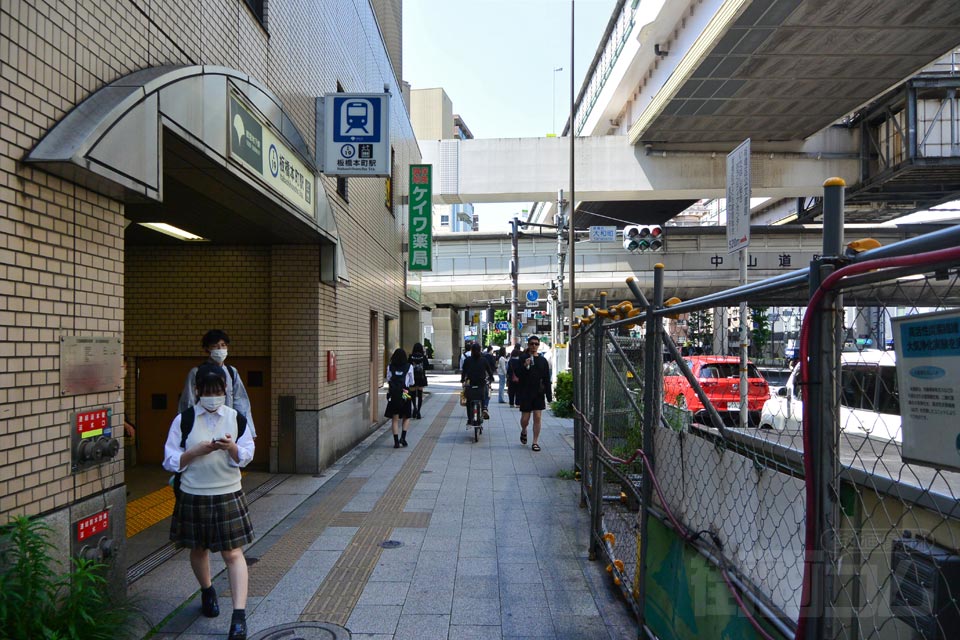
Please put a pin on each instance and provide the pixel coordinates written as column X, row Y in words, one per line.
column 212, row 403
column 218, row 355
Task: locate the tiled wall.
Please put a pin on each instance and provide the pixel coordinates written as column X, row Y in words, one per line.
column 62, row 258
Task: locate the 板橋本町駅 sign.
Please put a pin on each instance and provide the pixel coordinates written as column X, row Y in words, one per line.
column 256, row 147
column 355, row 139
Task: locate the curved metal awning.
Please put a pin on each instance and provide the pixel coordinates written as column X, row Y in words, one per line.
column 168, row 130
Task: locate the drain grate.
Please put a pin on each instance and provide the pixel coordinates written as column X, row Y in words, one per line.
column 303, row 631
column 142, row 567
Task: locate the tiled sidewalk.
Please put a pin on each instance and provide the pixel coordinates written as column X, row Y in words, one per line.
column 491, row 541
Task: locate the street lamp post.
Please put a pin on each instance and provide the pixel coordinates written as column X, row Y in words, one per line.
column 553, row 123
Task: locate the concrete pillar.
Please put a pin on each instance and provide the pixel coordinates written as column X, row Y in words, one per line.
column 446, row 339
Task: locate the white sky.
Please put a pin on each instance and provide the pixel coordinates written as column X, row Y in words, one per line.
column 496, row 61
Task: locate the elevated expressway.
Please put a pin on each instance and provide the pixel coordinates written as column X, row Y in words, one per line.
column 474, row 267
column 677, row 84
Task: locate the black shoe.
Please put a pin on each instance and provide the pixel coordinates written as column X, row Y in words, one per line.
column 403, row 439
column 209, row 603
column 238, row 630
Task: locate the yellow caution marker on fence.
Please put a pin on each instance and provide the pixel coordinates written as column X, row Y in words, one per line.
column 669, row 303
column 859, row 246
column 609, row 537
column 618, row 564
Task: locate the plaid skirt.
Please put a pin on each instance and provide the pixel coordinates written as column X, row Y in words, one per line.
column 217, row 523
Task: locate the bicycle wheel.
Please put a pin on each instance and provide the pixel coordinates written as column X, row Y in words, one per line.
column 476, row 434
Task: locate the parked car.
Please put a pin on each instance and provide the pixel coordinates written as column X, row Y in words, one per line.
column 869, row 401
column 719, row 376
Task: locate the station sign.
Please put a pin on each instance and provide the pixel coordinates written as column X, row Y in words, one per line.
column 254, row 145
column 355, row 134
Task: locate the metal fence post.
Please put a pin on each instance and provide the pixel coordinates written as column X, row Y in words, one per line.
column 652, row 392
column 575, row 358
column 823, row 396
column 596, row 499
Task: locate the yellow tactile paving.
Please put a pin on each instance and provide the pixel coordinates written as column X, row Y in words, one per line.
column 147, row 511
column 276, row 562
column 340, row 590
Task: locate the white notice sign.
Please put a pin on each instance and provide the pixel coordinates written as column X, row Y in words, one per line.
column 738, row 197
column 928, row 377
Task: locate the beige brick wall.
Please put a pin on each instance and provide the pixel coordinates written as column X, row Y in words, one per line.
column 62, row 253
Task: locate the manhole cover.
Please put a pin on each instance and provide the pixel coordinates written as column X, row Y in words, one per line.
column 390, row 544
column 303, row 631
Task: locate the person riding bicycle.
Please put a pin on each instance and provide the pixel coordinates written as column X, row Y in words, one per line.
column 477, row 371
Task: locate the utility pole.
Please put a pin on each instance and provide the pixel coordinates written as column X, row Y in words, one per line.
column 561, row 256
column 514, row 272
column 572, row 131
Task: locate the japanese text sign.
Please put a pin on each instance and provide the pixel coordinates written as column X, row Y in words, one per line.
column 355, row 134
column 928, row 375
column 93, row 525
column 420, row 256
column 92, row 423
column 738, row 197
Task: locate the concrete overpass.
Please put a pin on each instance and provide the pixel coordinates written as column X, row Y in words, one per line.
column 474, row 266
column 675, row 85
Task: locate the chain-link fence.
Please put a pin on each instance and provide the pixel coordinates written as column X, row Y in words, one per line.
column 816, row 519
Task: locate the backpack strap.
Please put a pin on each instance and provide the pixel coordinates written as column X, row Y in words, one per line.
column 186, row 426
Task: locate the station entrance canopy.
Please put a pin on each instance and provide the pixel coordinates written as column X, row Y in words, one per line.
column 157, row 140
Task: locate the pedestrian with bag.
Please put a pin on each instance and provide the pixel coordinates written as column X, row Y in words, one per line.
column 399, row 381
column 216, row 342
column 419, row 362
column 206, row 447
column 502, row 362
column 512, row 380
column 534, row 386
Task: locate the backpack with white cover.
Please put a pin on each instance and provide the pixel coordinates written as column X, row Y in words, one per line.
column 396, row 384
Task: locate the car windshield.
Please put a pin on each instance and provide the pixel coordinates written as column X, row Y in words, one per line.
column 871, row 388
column 727, row 370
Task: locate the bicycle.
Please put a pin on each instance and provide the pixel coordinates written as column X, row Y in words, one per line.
column 475, row 394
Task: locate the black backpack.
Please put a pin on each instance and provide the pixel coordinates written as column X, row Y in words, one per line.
column 418, row 368
column 396, row 384
column 186, row 426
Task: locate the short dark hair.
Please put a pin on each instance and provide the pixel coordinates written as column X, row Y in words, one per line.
column 532, row 338
column 213, row 337
column 210, row 378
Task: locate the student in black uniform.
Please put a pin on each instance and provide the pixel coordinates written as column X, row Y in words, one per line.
column 419, row 362
column 399, row 381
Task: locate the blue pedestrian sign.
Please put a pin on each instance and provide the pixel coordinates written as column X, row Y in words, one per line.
column 532, row 295
column 355, row 134
column 503, row 325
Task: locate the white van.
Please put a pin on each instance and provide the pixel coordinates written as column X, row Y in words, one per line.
column 869, row 403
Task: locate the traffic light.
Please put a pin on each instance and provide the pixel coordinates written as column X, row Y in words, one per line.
column 640, row 239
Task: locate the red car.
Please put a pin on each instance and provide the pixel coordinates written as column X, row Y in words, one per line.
column 719, row 377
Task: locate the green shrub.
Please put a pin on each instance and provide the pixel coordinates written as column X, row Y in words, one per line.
column 562, row 405
column 36, row 602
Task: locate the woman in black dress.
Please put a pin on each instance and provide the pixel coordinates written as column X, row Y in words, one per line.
column 419, row 362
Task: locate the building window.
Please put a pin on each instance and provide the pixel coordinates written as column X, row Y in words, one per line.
column 256, row 6
column 444, row 221
column 342, row 189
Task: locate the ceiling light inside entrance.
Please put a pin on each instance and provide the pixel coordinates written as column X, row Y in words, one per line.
column 172, row 231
